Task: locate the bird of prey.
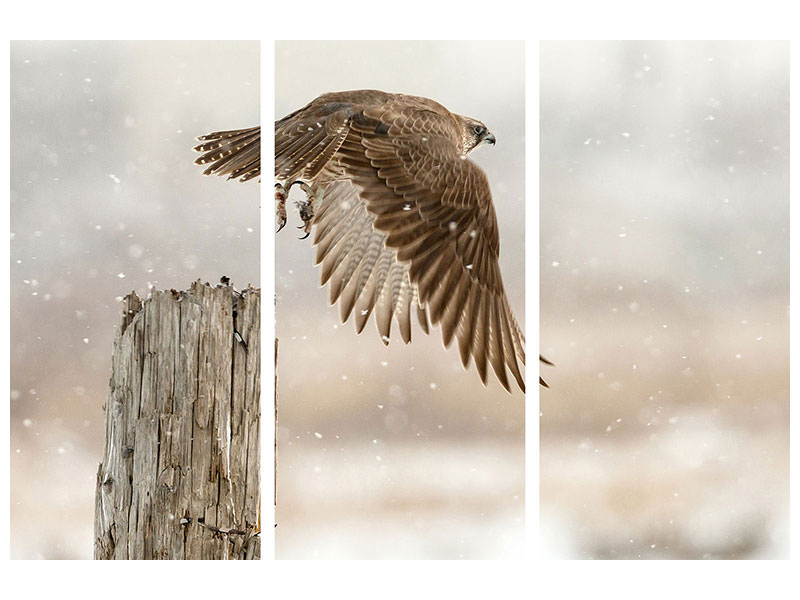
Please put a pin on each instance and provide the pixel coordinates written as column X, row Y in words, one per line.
column 402, row 218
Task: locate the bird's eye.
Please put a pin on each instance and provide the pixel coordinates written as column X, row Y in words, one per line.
column 479, row 129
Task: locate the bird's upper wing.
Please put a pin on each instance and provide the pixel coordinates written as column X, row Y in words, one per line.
column 307, row 139
column 235, row 153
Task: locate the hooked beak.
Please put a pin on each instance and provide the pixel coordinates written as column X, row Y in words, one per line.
column 489, row 139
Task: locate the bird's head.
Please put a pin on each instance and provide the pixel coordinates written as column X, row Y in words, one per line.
column 474, row 133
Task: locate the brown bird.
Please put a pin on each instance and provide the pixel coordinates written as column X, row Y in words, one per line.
column 403, row 218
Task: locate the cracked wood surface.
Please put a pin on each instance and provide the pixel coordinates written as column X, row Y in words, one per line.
column 180, row 472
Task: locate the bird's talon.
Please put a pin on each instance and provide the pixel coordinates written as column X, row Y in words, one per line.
column 280, row 199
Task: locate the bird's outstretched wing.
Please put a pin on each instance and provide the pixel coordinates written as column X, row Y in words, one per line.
column 235, row 153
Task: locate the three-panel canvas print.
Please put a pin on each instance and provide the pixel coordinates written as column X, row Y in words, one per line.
column 368, row 392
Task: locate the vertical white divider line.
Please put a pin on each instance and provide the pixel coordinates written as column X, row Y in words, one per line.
column 532, row 545
column 5, row 300
column 794, row 362
column 267, row 303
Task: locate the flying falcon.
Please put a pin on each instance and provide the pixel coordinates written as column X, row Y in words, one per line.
column 403, row 219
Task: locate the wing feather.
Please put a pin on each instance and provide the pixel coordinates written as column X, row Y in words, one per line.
column 235, row 153
column 365, row 276
column 446, row 229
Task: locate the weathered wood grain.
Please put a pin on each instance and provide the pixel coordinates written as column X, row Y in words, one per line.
column 180, row 472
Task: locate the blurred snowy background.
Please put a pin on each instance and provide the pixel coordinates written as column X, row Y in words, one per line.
column 398, row 452
column 105, row 200
column 664, row 299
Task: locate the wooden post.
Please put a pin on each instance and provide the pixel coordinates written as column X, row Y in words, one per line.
column 180, row 471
